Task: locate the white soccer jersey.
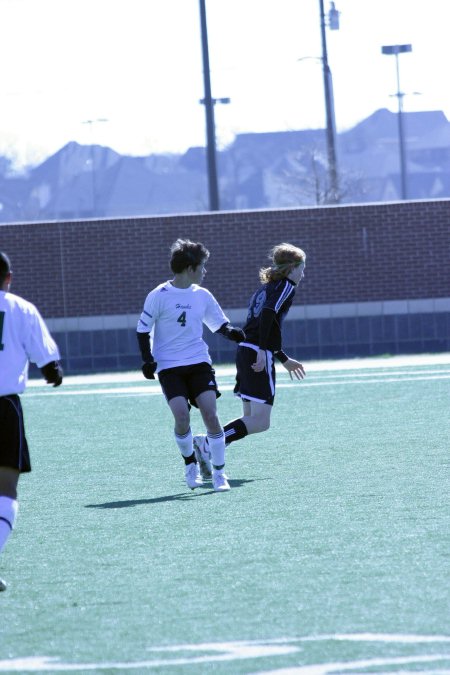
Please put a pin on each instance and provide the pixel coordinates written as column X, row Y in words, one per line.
column 175, row 318
column 24, row 337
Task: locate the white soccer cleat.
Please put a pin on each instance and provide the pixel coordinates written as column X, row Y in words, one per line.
column 192, row 475
column 2, row 585
column 220, row 481
column 202, row 455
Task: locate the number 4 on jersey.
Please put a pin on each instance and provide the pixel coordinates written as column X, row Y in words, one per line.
column 182, row 319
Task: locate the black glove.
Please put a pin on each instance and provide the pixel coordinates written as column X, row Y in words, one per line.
column 234, row 334
column 53, row 373
column 148, row 368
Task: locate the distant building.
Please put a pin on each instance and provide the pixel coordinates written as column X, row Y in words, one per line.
column 257, row 170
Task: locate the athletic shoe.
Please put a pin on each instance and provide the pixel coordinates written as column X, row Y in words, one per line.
column 202, row 455
column 220, row 481
column 192, row 475
column 2, row 585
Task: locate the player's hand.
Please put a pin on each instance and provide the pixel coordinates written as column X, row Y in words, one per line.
column 53, row 373
column 260, row 363
column 294, row 368
column 236, row 334
column 148, row 369
column 231, row 333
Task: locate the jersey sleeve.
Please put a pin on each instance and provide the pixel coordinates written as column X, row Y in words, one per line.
column 214, row 317
column 277, row 294
column 39, row 344
column 148, row 314
column 266, row 320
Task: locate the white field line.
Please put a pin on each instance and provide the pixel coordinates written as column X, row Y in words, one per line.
column 145, row 390
column 234, row 651
column 382, row 373
column 344, row 666
column 310, row 367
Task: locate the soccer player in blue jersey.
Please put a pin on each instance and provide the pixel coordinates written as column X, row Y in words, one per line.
column 255, row 358
column 24, row 337
column 170, row 337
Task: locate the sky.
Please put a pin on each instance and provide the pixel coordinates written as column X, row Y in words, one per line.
column 128, row 74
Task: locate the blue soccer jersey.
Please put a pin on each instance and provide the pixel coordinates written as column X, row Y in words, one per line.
column 267, row 309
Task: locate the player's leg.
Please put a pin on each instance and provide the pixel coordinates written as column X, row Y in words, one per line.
column 181, row 415
column 182, row 429
column 183, row 438
column 8, row 502
column 175, row 389
column 257, row 392
column 207, row 405
column 256, row 418
column 206, row 402
column 203, row 393
column 9, row 479
column 14, row 459
column 8, row 506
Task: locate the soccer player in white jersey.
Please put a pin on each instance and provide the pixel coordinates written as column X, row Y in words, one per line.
column 24, row 337
column 170, row 337
column 255, row 365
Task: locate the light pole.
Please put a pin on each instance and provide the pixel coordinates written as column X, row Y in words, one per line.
column 92, row 160
column 208, row 102
column 329, row 103
column 396, row 50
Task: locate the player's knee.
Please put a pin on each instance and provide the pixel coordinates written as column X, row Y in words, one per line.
column 182, row 419
column 265, row 425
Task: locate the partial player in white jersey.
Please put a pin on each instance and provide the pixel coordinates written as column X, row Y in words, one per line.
column 170, row 337
column 24, row 337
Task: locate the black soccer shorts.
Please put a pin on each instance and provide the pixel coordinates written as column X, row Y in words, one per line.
column 251, row 386
column 13, row 444
column 188, row 381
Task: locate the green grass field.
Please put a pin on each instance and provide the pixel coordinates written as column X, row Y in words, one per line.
column 330, row 554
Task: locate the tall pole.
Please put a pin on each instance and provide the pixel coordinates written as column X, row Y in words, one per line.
column 396, row 50
column 401, row 133
column 209, row 112
column 330, row 118
column 92, row 160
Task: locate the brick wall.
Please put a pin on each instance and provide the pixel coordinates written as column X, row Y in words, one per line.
column 372, row 252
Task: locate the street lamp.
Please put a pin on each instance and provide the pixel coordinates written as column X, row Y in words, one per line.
column 329, row 102
column 396, row 50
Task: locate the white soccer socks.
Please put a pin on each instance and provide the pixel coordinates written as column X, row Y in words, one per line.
column 8, row 514
column 216, row 445
column 184, row 443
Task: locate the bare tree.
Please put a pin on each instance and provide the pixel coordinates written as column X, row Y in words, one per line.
column 305, row 180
